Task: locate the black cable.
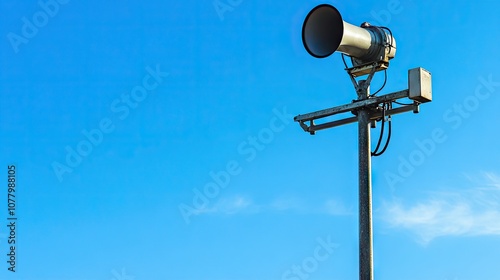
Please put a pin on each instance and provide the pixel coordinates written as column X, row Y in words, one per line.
column 403, row 104
column 383, row 85
column 381, row 132
column 391, row 45
column 343, row 59
column 390, row 33
column 376, row 153
column 388, row 139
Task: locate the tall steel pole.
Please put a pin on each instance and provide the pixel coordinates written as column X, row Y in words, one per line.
column 368, row 109
column 365, row 188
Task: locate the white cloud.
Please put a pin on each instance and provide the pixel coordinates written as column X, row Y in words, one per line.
column 337, row 208
column 230, row 206
column 287, row 204
column 332, row 207
column 473, row 212
column 240, row 204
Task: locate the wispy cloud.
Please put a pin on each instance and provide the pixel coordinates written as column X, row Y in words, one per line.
column 472, row 212
column 337, row 208
column 288, row 204
column 231, row 205
column 241, row 204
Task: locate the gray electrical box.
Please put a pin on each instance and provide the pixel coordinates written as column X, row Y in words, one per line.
column 420, row 85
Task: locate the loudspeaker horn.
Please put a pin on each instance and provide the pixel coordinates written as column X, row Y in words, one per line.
column 325, row 32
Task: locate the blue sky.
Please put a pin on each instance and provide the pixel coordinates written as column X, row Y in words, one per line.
column 121, row 118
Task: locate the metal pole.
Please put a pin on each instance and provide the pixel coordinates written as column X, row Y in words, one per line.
column 365, row 189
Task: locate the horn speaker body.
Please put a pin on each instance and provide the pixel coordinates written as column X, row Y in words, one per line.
column 324, row 32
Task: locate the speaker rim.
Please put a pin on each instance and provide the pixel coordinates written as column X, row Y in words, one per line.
column 304, row 27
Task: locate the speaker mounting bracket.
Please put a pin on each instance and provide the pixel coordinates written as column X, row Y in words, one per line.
column 366, row 68
column 363, row 85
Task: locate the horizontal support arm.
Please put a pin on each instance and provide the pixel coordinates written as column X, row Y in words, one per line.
column 352, row 106
column 373, row 116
